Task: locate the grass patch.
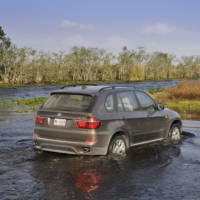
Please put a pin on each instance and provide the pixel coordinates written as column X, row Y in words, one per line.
column 185, row 107
column 154, row 91
column 23, row 105
column 32, row 104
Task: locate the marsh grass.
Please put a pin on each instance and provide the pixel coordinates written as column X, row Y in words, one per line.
column 185, row 98
column 185, row 107
column 23, row 105
column 185, row 91
column 154, row 91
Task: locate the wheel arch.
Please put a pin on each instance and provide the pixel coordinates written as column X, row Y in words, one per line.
column 176, row 121
column 120, row 132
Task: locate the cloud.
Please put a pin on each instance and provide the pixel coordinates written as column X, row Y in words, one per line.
column 158, row 28
column 76, row 40
column 116, row 42
column 73, row 25
column 68, row 24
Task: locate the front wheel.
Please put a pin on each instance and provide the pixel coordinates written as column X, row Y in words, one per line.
column 174, row 135
column 118, row 146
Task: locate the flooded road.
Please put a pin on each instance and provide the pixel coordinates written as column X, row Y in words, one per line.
column 159, row 172
column 151, row 173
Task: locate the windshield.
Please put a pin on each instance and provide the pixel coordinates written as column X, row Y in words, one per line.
column 69, row 102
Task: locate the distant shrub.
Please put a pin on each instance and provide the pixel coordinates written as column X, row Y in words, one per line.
column 185, row 90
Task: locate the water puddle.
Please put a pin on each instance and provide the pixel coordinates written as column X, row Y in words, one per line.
column 191, row 124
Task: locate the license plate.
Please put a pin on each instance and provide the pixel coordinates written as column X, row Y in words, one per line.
column 59, row 122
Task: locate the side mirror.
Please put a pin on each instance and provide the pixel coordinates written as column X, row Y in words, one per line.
column 160, row 106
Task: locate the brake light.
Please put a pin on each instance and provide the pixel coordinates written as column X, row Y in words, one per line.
column 35, row 135
column 91, row 140
column 39, row 120
column 89, row 123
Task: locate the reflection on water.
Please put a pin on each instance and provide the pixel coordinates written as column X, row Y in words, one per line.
column 74, row 177
column 88, row 180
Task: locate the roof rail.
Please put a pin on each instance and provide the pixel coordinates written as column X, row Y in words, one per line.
column 74, row 85
column 114, row 87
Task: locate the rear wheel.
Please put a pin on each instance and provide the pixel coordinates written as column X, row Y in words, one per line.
column 37, row 151
column 118, row 146
column 174, row 135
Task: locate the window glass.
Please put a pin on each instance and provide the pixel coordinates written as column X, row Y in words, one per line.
column 144, row 99
column 109, row 103
column 126, row 102
column 68, row 102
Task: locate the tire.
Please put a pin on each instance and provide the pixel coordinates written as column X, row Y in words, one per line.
column 174, row 135
column 37, row 151
column 118, row 146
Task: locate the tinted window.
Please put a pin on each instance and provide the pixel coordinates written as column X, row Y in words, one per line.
column 109, row 103
column 126, row 102
column 144, row 99
column 69, row 102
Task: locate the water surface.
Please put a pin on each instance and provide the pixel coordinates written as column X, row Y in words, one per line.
column 151, row 173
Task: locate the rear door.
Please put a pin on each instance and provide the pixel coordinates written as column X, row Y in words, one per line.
column 129, row 110
column 153, row 120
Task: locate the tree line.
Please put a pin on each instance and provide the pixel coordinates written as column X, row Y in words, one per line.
column 29, row 66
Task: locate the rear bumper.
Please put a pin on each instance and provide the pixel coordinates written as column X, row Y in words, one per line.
column 68, row 147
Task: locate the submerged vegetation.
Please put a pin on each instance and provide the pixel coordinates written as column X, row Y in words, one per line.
column 19, row 66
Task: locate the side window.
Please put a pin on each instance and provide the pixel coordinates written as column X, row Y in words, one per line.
column 126, row 102
column 109, row 103
column 144, row 99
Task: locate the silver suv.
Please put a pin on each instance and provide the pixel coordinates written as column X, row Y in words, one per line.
column 102, row 119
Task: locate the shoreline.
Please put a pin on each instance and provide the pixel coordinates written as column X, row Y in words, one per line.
column 89, row 82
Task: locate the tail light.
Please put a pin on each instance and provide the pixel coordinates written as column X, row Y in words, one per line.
column 39, row 120
column 89, row 123
column 35, row 135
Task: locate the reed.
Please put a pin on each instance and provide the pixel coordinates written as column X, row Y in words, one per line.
column 185, row 91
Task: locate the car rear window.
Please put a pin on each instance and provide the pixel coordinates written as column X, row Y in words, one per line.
column 69, row 102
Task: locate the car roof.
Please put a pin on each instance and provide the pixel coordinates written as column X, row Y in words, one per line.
column 89, row 89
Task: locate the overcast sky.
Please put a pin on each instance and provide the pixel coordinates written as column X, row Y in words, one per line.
column 158, row 25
